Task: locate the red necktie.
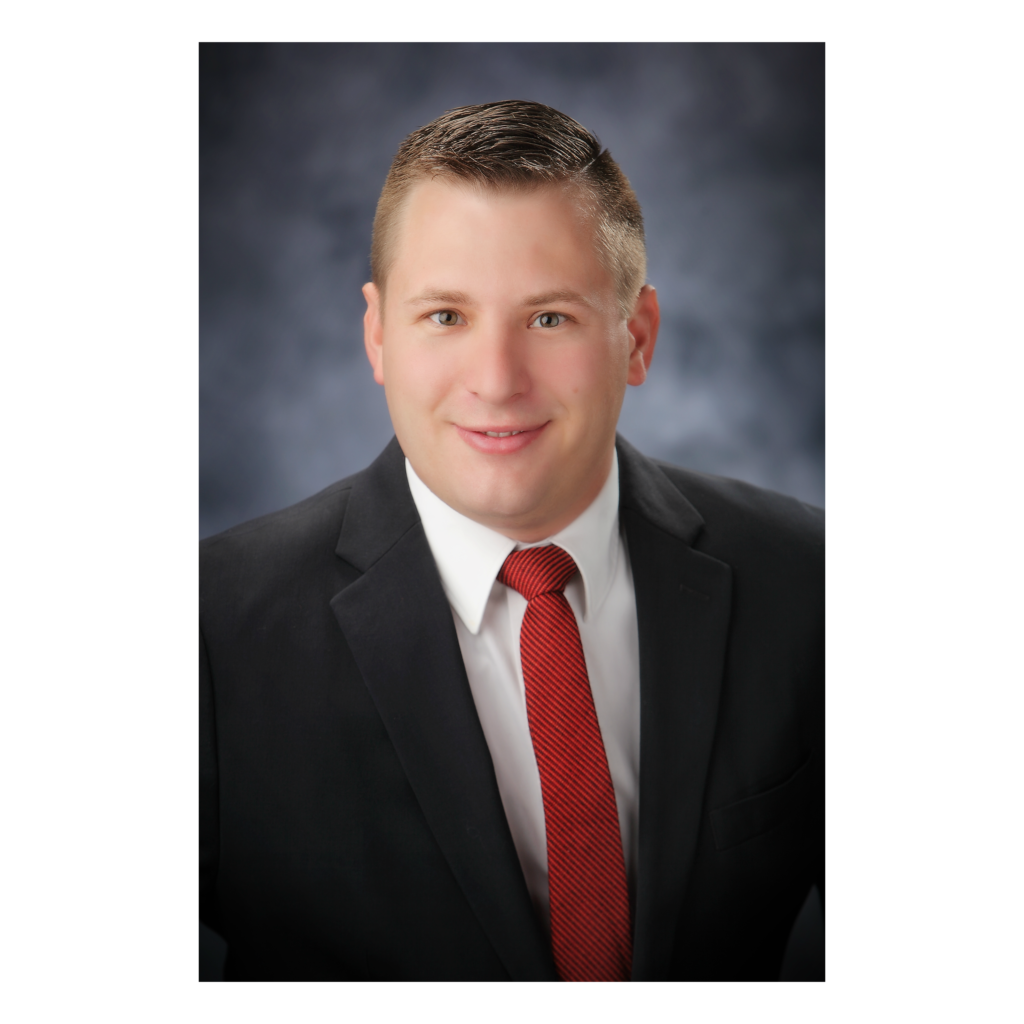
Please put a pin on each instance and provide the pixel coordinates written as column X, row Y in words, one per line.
column 590, row 927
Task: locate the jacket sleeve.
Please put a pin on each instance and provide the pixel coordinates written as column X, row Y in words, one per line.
column 209, row 800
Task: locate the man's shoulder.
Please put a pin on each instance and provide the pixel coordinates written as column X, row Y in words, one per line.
column 304, row 522
column 773, row 545
column 730, row 506
column 304, row 540
column 736, row 522
column 268, row 551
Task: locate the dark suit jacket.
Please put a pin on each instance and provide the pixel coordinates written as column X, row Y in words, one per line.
column 351, row 825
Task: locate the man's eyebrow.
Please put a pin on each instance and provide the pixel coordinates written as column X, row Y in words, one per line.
column 565, row 295
column 455, row 298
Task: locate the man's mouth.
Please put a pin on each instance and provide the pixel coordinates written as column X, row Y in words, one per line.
column 497, row 441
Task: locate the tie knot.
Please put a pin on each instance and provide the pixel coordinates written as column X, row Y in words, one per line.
column 537, row 571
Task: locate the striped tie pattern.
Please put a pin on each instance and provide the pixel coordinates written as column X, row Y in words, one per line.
column 590, row 926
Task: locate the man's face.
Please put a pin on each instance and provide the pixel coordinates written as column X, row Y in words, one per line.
column 499, row 319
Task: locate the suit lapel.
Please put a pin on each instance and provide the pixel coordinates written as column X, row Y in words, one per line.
column 683, row 600
column 399, row 627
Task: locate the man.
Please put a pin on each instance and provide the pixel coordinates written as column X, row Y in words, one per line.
column 515, row 702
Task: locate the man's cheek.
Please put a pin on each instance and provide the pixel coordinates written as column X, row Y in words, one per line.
column 419, row 379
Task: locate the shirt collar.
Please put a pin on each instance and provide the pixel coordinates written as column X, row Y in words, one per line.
column 469, row 555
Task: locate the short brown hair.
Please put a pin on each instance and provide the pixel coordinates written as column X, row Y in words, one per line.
column 512, row 145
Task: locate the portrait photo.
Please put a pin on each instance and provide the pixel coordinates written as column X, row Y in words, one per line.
column 512, row 490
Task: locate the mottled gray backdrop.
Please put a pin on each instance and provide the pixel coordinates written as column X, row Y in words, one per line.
column 724, row 145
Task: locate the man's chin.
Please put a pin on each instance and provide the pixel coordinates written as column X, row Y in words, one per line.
column 498, row 508
column 502, row 515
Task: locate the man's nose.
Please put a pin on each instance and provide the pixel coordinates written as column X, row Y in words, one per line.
column 496, row 370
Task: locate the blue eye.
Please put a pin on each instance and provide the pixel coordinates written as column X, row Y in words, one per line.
column 446, row 318
column 549, row 320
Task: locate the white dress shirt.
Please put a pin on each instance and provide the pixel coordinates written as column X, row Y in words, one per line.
column 488, row 617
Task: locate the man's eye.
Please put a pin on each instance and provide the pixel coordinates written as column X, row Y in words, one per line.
column 549, row 320
column 446, row 318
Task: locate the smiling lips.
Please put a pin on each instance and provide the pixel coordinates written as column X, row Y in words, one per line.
column 500, row 442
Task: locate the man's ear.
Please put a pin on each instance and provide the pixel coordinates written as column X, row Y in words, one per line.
column 373, row 331
column 643, row 333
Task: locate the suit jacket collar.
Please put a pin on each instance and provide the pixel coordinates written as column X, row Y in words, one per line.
column 380, row 510
column 399, row 627
column 644, row 489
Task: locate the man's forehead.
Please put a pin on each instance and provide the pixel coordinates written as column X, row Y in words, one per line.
column 453, row 242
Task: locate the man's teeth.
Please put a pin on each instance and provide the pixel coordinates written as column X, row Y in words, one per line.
column 507, row 433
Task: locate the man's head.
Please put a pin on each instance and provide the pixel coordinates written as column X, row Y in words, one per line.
column 507, row 296
column 517, row 146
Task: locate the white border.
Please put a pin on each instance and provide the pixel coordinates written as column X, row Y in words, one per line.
column 99, row 420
